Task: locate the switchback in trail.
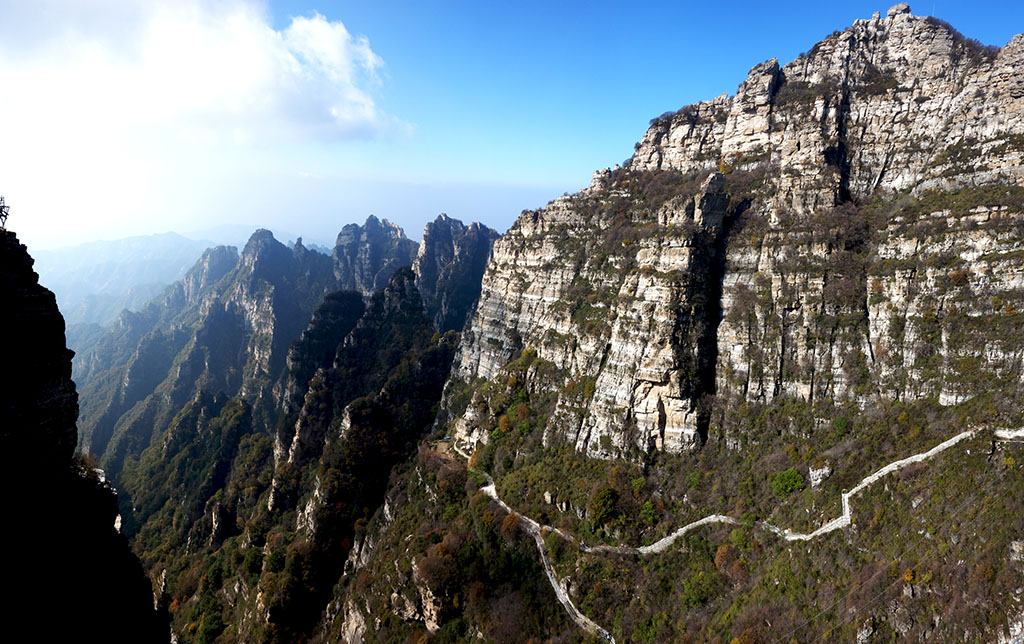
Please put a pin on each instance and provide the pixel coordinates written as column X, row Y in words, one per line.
column 538, row 530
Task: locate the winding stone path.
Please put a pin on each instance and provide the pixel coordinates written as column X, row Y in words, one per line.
column 1009, row 434
column 846, row 518
column 537, row 531
column 662, row 544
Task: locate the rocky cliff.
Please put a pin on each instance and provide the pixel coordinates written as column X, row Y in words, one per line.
column 449, row 267
column 225, row 327
column 843, row 228
column 366, row 256
column 229, row 323
column 67, row 557
column 38, row 401
column 252, row 413
column 276, row 515
column 897, row 103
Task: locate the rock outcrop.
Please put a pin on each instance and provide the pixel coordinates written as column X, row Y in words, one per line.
column 897, row 103
column 212, row 266
column 38, row 401
column 366, row 256
column 841, row 229
column 614, row 297
column 67, row 557
column 449, row 268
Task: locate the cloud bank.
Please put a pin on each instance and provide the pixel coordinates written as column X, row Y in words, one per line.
column 106, row 105
column 198, row 63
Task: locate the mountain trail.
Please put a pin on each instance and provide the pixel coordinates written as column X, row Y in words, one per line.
column 538, row 531
column 846, row 518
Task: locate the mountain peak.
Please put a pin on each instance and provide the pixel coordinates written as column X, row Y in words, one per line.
column 905, row 103
column 261, row 242
column 449, row 265
column 214, row 264
column 898, row 10
column 259, row 237
column 366, row 256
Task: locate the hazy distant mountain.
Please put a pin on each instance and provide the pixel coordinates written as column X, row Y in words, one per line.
column 95, row 281
column 218, row 404
column 238, row 235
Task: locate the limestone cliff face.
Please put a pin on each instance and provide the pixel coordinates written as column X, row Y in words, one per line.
column 366, row 256
column 897, row 103
column 449, row 267
column 846, row 227
column 616, row 299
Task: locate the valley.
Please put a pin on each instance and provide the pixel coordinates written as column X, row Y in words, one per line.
column 762, row 382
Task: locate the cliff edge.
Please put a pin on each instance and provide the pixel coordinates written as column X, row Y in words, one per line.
column 70, row 574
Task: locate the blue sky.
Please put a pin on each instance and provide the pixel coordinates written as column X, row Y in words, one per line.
column 148, row 116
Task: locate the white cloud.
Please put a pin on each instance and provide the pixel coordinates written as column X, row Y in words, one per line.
column 106, row 105
column 208, row 64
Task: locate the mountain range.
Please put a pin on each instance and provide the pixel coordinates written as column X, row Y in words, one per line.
column 94, row 282
column 761, row 383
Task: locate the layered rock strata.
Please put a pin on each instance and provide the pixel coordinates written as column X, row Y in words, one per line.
column 850, row 231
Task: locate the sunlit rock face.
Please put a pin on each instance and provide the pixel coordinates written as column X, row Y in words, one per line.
column 366, row 256
column 898, row 103
column 844, row 227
